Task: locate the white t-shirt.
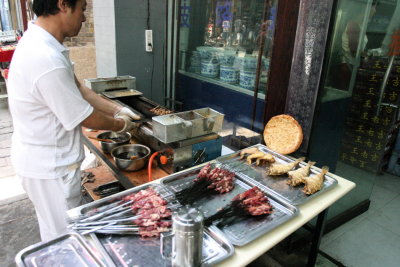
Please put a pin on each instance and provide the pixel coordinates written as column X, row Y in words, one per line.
column 46, row 106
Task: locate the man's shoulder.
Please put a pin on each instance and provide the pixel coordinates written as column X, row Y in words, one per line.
column 33, row 52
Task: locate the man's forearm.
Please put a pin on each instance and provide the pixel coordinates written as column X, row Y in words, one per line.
column 100, row 121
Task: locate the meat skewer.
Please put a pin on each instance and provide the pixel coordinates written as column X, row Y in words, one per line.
column 150, row 210
column 217, row 179
column 252, row 202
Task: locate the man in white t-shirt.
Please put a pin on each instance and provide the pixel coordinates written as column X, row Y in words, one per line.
column 48, row 106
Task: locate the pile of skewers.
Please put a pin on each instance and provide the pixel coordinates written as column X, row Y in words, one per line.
column 252, row 202
column 144, row 213
column 208, row 181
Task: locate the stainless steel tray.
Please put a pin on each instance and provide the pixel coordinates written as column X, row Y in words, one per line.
column 243, row 232
column 184, row 125
column 136, row 251
column 66, row 250
column 277, row 184
column 146, row 252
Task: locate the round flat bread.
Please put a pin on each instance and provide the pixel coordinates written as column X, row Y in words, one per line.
column 283, row 134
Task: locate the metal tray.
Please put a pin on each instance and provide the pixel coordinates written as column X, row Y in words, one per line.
column 277, row 184
column 184, row 125
column 66, row 250
column 146, row 252
column 136, row 251
column 243, row 232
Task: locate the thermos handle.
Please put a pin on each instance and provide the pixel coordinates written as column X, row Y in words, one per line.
column 164, row 237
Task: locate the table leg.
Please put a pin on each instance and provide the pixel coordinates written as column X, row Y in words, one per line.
column 316, row 238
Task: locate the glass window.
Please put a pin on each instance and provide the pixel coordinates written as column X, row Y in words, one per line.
column 224, row 53
column 355, row 128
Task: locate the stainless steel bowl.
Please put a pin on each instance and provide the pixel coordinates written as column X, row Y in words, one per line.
column 122, row 154
column 120, row 139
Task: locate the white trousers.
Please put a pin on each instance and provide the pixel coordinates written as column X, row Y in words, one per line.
column 52, row 198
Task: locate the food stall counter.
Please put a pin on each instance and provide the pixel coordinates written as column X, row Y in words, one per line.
column 126, row 178
column 317, row 206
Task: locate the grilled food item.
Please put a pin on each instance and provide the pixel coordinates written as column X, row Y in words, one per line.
column 296, row 176
column 252, row 202
column 279, row 169
column 283, row 134
column 253, row 153
column 314, row 183
column 208, row 180
column 160, row 111
column 267, row 157
column 247, row 151
column 254, row 156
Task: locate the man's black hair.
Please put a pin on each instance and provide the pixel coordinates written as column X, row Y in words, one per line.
column 49, row 7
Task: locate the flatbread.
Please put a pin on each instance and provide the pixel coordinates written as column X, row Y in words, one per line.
column 283, row 134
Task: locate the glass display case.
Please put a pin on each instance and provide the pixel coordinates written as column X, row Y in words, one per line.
column 227, row 42
column 224, row 51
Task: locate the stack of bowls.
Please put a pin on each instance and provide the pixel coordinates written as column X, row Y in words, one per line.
column 118, row 138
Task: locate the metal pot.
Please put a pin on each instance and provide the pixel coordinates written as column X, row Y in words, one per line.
column 122, row 154
column 107, row 147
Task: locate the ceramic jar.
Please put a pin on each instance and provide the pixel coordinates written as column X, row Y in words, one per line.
column 247, row 79
column 228, row 74
column 210, row 68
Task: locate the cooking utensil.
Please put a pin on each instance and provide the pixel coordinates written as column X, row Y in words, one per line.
column 122, row 156
column 102, row 140
column 118, row 138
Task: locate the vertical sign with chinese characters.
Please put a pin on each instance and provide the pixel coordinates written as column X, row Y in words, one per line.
column 185, row 14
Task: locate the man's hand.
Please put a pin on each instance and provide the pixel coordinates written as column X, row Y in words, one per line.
column 124, row 111
column 129, row 124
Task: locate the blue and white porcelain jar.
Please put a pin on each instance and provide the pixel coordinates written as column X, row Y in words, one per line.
column 247, row 79
column 195, row 62
column 228, row 74
column 210, row 68
column 249, row 63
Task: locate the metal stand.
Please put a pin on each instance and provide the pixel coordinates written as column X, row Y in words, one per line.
column 316, row 238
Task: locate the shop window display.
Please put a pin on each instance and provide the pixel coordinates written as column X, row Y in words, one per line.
column 221, row 41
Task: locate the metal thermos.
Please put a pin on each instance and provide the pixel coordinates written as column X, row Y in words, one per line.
column 187, row 237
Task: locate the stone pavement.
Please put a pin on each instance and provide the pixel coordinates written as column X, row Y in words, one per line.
column 18, row 224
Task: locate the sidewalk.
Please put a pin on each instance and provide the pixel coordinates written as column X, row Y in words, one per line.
column 18, row 224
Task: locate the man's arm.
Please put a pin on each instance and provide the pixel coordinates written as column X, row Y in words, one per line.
column 98, row 120
column 99, row 103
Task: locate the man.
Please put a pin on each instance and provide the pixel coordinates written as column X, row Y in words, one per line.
column 48, row 107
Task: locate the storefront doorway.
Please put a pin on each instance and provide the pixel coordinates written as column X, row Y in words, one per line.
column 356, row 119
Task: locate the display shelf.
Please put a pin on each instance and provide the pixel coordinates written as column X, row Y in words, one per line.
column 217, row 82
